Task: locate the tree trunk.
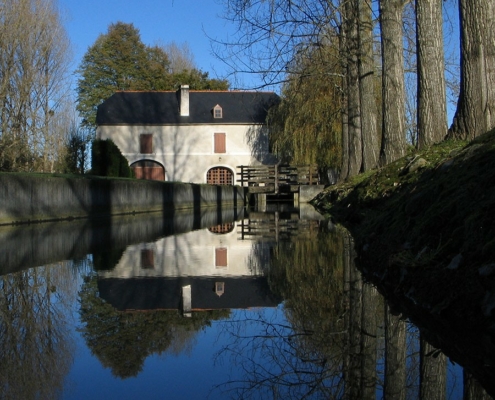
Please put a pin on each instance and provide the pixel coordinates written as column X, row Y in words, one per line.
column 432, row 107
column 475, row 112
column 355, row 377
column 369, row 341
column 433, row 378
column 393, row 93
column 395, row 357
column 472, row 389
column 354, row 148
column 369, row 109
column 344, row 169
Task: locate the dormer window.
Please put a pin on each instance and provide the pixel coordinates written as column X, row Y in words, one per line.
column 217, row 112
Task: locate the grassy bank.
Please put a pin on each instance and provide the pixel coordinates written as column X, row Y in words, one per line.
column 427, row 224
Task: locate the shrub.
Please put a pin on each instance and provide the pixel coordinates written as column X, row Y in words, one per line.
column 107, row 160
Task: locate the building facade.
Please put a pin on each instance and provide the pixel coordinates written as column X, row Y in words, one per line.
column 188, row 136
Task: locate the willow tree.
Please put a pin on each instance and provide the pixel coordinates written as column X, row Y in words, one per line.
column 305, row 128
column 271, row 35
column 475, row 112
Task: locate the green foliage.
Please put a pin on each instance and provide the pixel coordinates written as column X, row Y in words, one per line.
column 14, row 154
column 197, row 80
column 119, row 60
column 76, row 151
column 107, row 260
column 306, row 126
column 107, row 160
column 308, row 273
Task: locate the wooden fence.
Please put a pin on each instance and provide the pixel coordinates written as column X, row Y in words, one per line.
column 271, row 226
column 277, row 178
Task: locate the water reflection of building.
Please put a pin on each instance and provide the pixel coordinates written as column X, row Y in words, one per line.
column 213, row 252
column 220, row 270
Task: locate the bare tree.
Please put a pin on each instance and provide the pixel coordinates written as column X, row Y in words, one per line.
column 367, row 85
column 393, row 92
column 271, row 34
column 180, row 57
column 433, row 377
column 476, row 105
column 355, row 144
column 34, row 62
column 395, row 356
column 432, row 106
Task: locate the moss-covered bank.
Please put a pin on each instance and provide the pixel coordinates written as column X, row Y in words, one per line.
column 424, row 230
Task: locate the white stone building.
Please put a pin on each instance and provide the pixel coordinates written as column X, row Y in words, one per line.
column 188, row 136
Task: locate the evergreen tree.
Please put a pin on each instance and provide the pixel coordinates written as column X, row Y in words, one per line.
column 119, row 60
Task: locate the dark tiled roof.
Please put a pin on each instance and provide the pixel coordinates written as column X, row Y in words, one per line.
column 158, row 108
column 166, row 293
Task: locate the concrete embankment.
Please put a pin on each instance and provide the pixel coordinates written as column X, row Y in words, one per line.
column 26, row 198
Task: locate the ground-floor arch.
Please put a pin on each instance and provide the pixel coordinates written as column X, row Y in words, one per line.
column 148, row 169
column 220, row 176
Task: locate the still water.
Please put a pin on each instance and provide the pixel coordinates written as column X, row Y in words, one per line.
column 220, row 304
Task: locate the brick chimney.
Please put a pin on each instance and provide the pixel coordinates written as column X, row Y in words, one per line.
column 184, row 100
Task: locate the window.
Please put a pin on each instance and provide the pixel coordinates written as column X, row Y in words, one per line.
column 148, row 169
column 147, row 259
column 220, row 176
column 221, row 257
column 217, row 112
column 146, row 143
column 219, row 288
column 220, row 145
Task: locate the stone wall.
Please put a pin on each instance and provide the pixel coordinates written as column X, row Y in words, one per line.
column 28, row 198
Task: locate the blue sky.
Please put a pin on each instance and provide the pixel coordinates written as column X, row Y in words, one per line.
column 184, row 21
column 159, row 21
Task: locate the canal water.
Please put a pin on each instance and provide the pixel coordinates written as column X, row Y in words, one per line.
column 217, row 304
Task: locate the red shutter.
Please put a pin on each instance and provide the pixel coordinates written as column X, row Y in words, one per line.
column 147, row 259
column 146, row 143
column 220, row 257
column 220, row 146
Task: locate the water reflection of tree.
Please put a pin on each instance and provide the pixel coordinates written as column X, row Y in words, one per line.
column 341, row 340
column 123, row 340
column 36, row 349
column 302, row 359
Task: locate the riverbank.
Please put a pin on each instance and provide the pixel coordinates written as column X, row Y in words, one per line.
column 27, row 198
column 424, row 231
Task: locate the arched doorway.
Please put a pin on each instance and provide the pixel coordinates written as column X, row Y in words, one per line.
column 220, row 176
column 147, row 169
column 222, row 228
